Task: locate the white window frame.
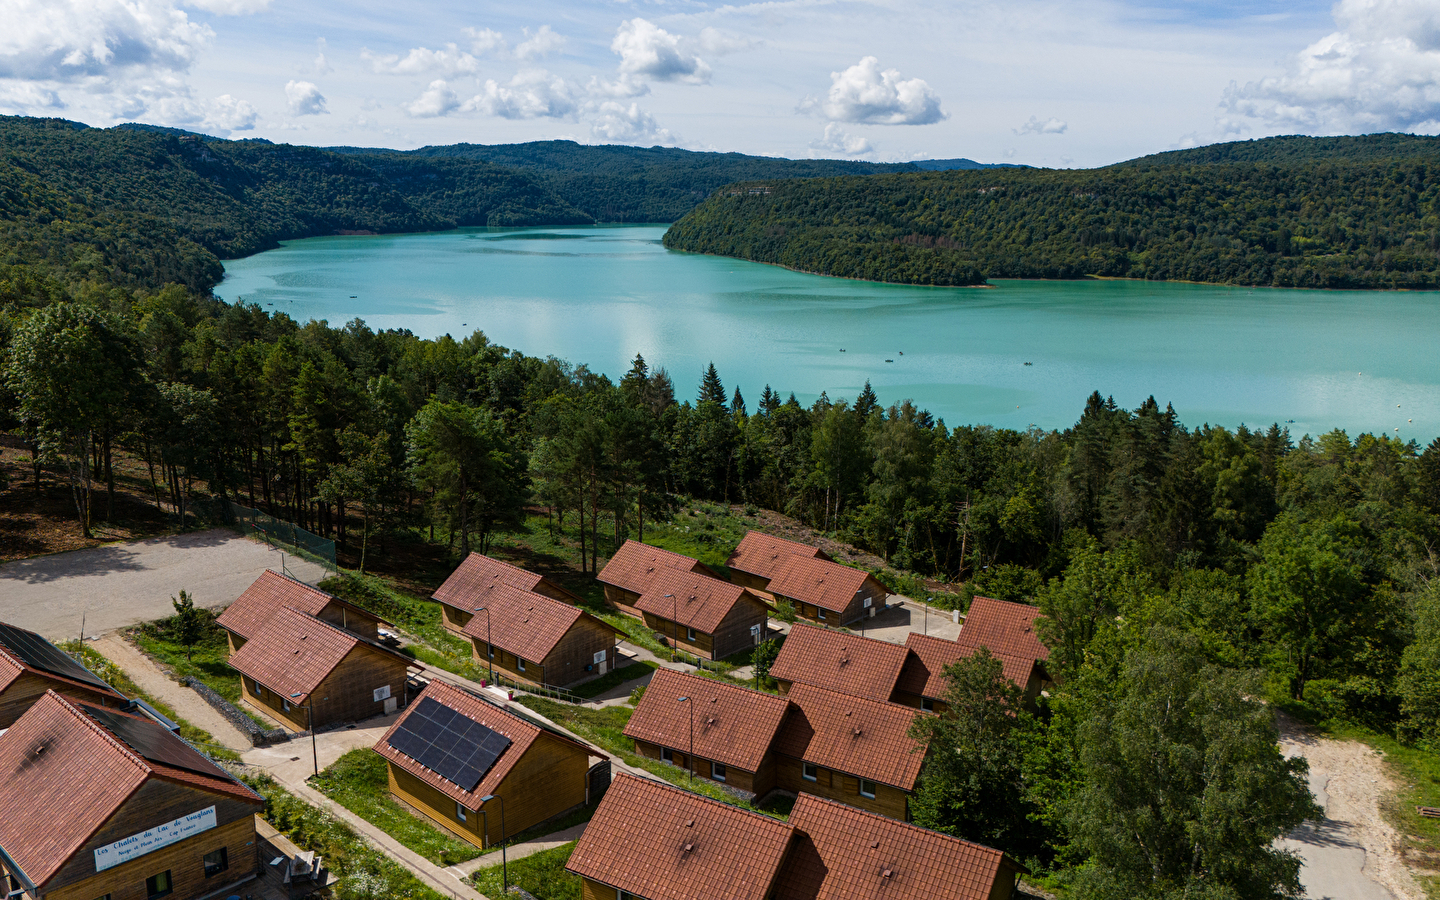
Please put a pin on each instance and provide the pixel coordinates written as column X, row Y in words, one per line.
column 809, row 771
column 286, row 704
column 819, row 614
column 259, row 689
column 717, row 770
column 519, row 664
column 865, row 604
column 689, row 634
column 870, row 794
column 927, row 704
column 667, row 755
column 459, row 812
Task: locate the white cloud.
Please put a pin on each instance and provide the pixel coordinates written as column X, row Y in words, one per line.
column 230, row 7
column 865, row 94
column 652, row 52
column 1379, row 71
column 1035, row 126
column 540, row 44
column 302, row 98
column 485, row 40
column 229, row 114
column 437, row 100
column 617, row 123
column 718, row 43
column 836, row 140
column 321, row 65
column 531, row 94
column 450, row 60
column 25, row 97
column 625, row 86
column 95, row 40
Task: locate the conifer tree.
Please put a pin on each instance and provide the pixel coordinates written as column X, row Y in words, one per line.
column 711, row 389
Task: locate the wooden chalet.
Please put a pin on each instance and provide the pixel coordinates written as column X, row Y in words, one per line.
column 272, row 592
column 839, row 661
column 1008, row 631
column 733, row 729
column 653, row 841
column 31, row 665
column 101, row 803
column 450, row 749
column 307, row 673
column 538, row 640
column 469, row 585
column 849, row 749
column 759, row 557
column 702, row 615
column 826, row 592
column 629, row 572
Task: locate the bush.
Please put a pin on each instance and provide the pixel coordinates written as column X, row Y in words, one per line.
column 542, row 874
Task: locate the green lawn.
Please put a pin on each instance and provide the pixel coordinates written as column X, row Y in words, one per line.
column 358, row 782
column 208, row 660
column 365, row 874
column 542, row 874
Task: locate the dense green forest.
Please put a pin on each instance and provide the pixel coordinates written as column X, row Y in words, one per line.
column 1289, row 212
column 1192, row 578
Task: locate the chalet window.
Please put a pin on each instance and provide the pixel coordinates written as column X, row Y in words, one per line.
column 810, row 772
column 259, row 690
column 689, row 634
column 287, row 705
column 520, row 664
column 865, row 604
column 216, row 861
column 717, row 771
column 820, row 614
column 459, row 812
column 867, row 789
column 490, row 650
column 624, row 895
column 158, row 885
column 927, row 704
column 667, row 755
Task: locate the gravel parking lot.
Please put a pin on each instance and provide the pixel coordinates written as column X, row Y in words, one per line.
column 122, row 584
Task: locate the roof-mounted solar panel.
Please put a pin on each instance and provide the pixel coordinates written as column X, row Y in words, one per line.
column 38, row 653
column 449, row 743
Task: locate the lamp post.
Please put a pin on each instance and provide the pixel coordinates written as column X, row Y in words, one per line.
column 692, row 736
column 674, row 625
column 489, row 647
column 928, row 601
column 310, row 724
column 504, row 860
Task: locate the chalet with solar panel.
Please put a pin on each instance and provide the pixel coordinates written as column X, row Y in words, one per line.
column 31, row 665
column 101, row 803
column 272, row 592
column 469, row 585
column 729, row 729
column 759, row 557
column 629, row 572
column 652, row 841
column 702, row 615
column 827, row 592
column 306, row 673
column 452, row 753
column 532, row 638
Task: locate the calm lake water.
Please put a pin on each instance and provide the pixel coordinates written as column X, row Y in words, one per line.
column 1363, row 361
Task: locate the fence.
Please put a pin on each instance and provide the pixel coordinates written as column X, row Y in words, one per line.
column 543, row 690
column 277, row 532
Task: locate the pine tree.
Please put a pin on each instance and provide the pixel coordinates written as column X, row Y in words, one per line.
column 737, row 405
column 867, row 401
column 711, row 390
column 769, row 400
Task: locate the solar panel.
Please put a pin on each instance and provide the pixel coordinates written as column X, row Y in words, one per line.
column 153, row 742
column 448, row 743
column 39, row 653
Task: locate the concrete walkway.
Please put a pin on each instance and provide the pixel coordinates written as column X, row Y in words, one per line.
column 187, row 704
column 520, row 851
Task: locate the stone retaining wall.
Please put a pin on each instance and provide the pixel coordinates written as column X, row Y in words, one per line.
column 259, row 737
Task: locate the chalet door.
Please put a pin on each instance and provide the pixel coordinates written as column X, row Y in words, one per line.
column 602, row 659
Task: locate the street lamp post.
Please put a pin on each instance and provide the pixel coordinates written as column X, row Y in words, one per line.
column 504, row 860
column 310, row 724
column 692, row 735
column 489, row 647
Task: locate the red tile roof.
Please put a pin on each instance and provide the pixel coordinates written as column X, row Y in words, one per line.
column 662, row 843
column 827, row 585
column 64, row 670
column 843, row 853
column 635, row 564
column 761, row 554
column 65, row 775
column 1008, row 629
column 521, row 732
column 924, row 671
column 858, row 737
column 695, row 601
column 838, row 661
column 522, row 623
column 464, row 587
column 733, row 725
column 272, row 592
column 294, row 652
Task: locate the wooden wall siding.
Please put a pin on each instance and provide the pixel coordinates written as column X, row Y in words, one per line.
column 594, row 890
column 548, row 781
column 623, row 600
column 348, row 693
column 745, row 579
column 832, row 785
column 155, row 803
column 351, row 620
column 545, row 590
column 454, row 619
column 701, row 646
column 733, row 635
column 913, row 701
column 1004, row 886
column 24, row 691
column 757, row 783
column 576, row 650
column 509, row 664
column 236, row 642
column 270, row 703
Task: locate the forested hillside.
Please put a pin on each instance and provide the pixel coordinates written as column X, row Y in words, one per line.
column 1292, row 212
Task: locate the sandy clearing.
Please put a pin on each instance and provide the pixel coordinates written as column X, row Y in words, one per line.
column 153, row 680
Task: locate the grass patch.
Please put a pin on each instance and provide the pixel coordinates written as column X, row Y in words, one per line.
column 358, row 782
column 115, row 676
column 418, row 617
column 542, row 874
column 207, row 660
column 614, row 678
column 365, row 874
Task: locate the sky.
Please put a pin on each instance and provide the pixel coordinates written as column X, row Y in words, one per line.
column 1060, row 83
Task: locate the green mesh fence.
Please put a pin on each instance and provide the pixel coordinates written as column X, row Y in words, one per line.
column 280, row 533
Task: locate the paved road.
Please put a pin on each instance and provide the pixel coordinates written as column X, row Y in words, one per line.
column 1333, row 857
column 122, row 584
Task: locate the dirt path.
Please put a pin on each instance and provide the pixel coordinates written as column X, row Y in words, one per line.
column 1351, row 855
column 187, row 704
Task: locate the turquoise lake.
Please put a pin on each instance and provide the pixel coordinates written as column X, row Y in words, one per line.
column 1362, row 361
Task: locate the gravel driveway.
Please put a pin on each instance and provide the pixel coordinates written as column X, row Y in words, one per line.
column 122, row 584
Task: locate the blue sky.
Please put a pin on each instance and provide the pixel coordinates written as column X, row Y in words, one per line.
column 1044, row 82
